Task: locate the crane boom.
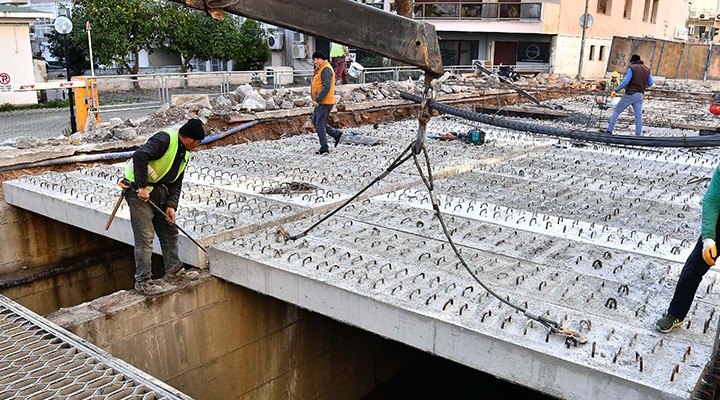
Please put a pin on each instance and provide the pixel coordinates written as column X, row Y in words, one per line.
column 342, row 21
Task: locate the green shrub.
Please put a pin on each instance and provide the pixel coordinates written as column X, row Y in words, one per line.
column 48, row 104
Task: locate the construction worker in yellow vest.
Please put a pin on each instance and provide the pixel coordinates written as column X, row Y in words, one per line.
column 155, row 173
column 338, row 56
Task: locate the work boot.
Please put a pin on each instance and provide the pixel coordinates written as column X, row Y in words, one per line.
column 337, row 138
column 181, row 274
column 667, row 323
column 148, row 287
column 322, row 152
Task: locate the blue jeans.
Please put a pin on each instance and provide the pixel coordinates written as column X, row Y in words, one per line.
column 145, row 223
column 635, row 100
column 319, row 120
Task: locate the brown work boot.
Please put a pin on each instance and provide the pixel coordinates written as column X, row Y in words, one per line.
column 182, row 274
column 148, row 287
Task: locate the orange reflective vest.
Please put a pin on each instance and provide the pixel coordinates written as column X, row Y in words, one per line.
column 316, row 85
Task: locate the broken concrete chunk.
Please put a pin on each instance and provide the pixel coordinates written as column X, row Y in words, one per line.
column 125, row 133
column 191, row 101
column 253, row 102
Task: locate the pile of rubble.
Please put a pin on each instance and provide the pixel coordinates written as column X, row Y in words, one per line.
column 247, row 99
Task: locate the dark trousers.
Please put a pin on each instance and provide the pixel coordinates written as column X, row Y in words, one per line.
column 319, row 120
column 690, row 277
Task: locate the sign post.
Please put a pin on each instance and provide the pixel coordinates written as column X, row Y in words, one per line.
column 586, row 21
column 64, row 26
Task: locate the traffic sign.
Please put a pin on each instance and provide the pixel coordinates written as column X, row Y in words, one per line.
column 5, row 82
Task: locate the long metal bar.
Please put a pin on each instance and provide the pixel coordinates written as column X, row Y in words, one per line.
column 343, row 21
column 158, row 209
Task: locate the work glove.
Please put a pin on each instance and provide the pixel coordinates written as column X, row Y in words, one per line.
column 613, row 94
column 709, row 251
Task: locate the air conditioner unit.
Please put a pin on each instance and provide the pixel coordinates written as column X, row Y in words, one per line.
column 704, row 16
column 275, row 41
column 298, row 37
column 717, row 17
column 694, row 13
column 298, row 50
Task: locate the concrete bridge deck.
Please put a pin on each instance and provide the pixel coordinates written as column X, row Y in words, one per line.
column 591, row 236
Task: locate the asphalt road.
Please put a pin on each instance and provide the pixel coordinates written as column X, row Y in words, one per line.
column 50, row 122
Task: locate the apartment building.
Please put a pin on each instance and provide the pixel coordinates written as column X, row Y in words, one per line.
column 704, row 21
column 546, row 34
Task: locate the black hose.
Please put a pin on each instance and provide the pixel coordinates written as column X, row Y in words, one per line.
column 644, row 141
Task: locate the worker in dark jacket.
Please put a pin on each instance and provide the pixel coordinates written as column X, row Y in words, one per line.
column 637, row 78
column 698, row 262
column 322, row 91
column 155, row 173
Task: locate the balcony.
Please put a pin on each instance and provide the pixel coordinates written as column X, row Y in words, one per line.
column 487, row 11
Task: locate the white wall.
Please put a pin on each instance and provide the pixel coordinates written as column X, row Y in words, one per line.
column 16, row 57
column 567, row 56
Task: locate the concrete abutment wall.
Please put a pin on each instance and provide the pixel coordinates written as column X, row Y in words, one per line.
column 215, row 340
column 211, row 340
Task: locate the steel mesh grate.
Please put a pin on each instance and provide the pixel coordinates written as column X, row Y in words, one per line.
column 39, row 360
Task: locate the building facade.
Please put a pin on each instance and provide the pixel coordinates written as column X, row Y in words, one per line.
column 704, row 21
column 546, row 34
column 15, row 51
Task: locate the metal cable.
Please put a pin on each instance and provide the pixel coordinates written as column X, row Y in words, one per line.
column 428, row 180
column 642, row 141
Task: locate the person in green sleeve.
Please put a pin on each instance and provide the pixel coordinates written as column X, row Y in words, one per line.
column 155, row 173
column 699, row 262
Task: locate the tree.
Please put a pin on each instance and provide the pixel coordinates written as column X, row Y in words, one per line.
column 253, row 51
column 120, row 29
column 184, row 33
column 77, row 50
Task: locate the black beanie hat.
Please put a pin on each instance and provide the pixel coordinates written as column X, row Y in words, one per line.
column 193, row 129
column 319, row 54
column 635, row 58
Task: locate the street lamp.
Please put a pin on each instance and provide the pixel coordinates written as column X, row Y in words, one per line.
column 64, row 26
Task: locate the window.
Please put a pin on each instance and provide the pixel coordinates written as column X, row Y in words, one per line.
column 459, row 52
column 627, row 13
column 653, row 16
column 603, row 7
column 601, row 55
column 592, row 52
column 646, row 10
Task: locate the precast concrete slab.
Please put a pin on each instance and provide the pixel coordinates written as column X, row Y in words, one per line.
column 40, row 360
column 232, row 190
column 590, row 236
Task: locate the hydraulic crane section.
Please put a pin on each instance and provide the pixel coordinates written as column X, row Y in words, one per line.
column 343, row 21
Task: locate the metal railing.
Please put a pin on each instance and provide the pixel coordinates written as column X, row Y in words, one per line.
column 150, row 91
column 479, row 10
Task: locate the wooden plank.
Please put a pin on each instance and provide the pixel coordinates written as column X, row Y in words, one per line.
column 681, row 125
column 668, row 66
column 714, row 66
column 646, row 50
column 619, row 54
column 658, row 56
column 697, row 60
